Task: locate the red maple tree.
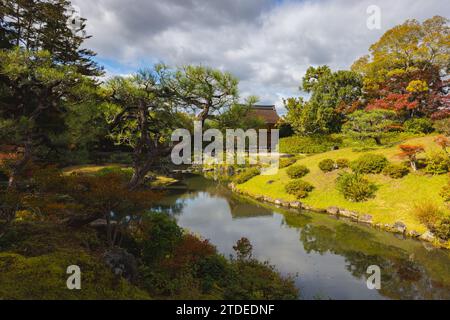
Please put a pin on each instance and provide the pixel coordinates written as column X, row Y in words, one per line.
column 410, row 152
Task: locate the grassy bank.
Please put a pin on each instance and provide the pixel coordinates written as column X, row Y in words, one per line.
column 395, row 198
column 159, row 181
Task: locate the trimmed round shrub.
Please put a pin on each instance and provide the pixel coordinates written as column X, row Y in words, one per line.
column 246, row 175
column 327, row 165
column 342, row 163
column 299, row 188
column 296, row 172
column 437, row 163
column 355, row 187
column 395, row 171
column 419, row 125
column 287, row 162
column 369, row 163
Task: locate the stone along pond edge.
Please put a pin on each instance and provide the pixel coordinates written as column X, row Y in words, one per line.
column 353, row 216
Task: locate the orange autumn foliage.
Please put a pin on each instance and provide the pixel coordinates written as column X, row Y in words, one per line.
column 410, row 152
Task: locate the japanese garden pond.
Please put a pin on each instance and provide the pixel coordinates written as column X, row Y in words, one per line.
column 328, row 257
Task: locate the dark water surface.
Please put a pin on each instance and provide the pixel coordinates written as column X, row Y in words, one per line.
column 330, row 257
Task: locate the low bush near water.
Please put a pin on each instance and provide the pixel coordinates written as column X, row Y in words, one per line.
column 395, row 171
column 442, row 229
column 287, row 162
column 163, row 235
column 297, row 172
column 327, row 165
column 369, row 163
column 355, row 187
column 434, row 218
column 192, row 268
column 246, row 175
column 299, row 188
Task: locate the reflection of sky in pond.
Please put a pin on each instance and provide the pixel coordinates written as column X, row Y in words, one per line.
column 322, row 276
column 214, row 216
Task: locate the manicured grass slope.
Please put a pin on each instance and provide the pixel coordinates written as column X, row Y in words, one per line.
column 394, row 200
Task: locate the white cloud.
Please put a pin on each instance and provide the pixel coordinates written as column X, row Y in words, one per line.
column 268, row 45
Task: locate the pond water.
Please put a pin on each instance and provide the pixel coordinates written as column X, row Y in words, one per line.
column 329, row 257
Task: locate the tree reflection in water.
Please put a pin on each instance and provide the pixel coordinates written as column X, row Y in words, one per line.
column 409, row 269
column 402, row 276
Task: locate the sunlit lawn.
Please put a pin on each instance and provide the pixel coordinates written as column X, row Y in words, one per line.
column 394, row 199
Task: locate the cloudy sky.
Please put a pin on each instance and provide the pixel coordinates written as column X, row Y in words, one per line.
column 267, row 44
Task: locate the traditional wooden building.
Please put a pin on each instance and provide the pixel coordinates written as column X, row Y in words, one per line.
column 267, row 113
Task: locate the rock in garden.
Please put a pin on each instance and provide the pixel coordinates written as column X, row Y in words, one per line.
column 348, row 214
column 333, row 210
column 399, row 227
column 122, row 263
column 295, row 204
column 367, row 218
column 427, row 236
column 413, row 234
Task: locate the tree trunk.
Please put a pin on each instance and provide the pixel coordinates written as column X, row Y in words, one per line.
column 414, row 165
column 140, row 171
column 19, row 167
column 203, row 115
column 145, row 151
column 378, row 141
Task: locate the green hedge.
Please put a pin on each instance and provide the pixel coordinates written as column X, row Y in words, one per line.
column 246, row 175
column 369, row 163
column 287, row 162
column 309, row 145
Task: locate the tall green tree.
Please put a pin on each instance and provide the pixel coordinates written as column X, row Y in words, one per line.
column 375, row 124
column 411, row 60
column 142, row 112
column 205, row 91
column 36, row 101
column 45, row 75
column 332, row 93
column 45, row 25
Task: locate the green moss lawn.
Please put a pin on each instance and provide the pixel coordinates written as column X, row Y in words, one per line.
column 394, row 199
